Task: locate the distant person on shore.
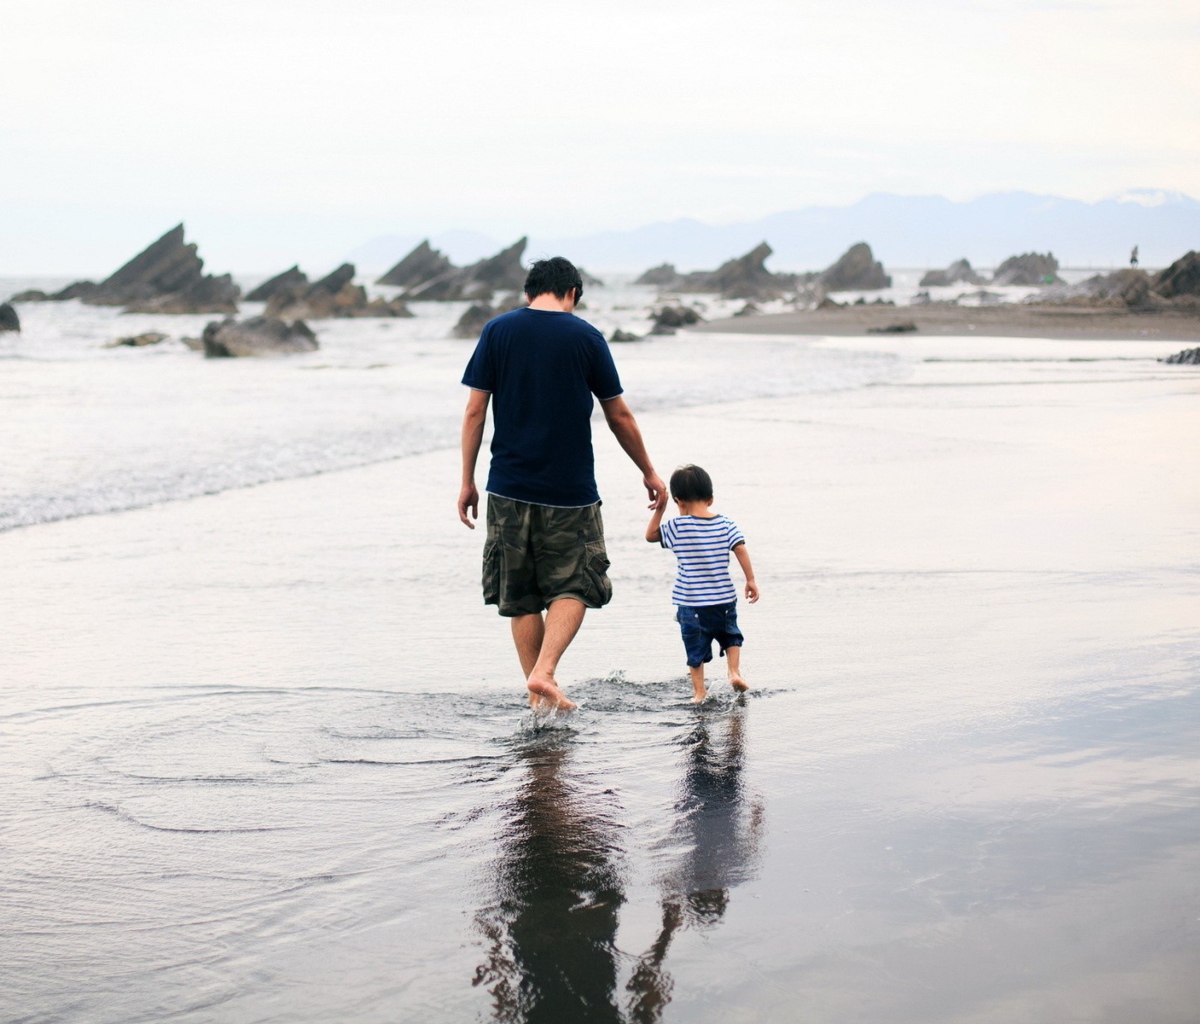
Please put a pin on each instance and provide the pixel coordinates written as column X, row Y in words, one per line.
column 704, row 595
column 1133, row 258
column 544, row 552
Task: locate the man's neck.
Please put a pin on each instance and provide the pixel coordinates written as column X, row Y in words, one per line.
column 550, row 302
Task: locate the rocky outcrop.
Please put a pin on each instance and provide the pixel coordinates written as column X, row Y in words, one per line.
column 165, row 277
column 1030, row 269
column 258, row 336
column 670, row 318
column 290, row 280
column 471, row 322
column 1181, row 279
column 901, row 327
column 960, row 271
column 477, row 283
column 32, row 295
column 589, row 281
column 9, row 321
column 424, row 263
column 1188, row 357
column 138, row 340
column 663, row 276
column 333, row 296
column 855, row 270
column 743, row 278
column 619, row 336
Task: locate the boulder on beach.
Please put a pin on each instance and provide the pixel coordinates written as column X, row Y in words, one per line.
column 258, row 336
column 1123, row 288
column 670, row 318
column 333, row 296
column 31, row 295
column 1181, row 279
column 854, row 271
column 1188, row 357
column 289, row 281
column 471, row 322
column 423, row 264
column 619, row 336
column 477, row 283
column 9, row 321
column 901, row 327
column 663, row 276
column 138, row 340
column 960, row 271
column 743, row 278
column 749, row 309
column 165, row 277
column 1030, row 269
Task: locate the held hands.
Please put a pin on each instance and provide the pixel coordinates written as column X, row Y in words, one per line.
column 468, row 498
column 657, row 491
column 751, row 590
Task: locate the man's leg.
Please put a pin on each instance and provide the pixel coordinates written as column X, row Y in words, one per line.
column 527, row 632
column 563, row 619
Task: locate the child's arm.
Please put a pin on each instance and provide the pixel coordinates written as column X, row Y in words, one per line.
column 743, row 557
column 654, row 531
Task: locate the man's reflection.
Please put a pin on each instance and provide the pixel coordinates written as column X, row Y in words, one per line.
column 721, row 830
column 551, row 956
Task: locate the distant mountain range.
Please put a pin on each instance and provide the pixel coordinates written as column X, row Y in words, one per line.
column 903, row 231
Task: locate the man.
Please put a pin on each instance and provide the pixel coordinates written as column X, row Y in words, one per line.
column 545, row 539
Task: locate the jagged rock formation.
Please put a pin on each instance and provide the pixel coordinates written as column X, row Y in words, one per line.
column 289, row 281
column 622, row 336
column 668, row 319
column 958, row 271
column 588, row 280
column 335, row 295
column 165, row 277
column 1180, row 279
column 471, row 322
column 1188, row 357
column 855, row 270
column 424, row 263
column 258, row 336
column 138, row 340
column 9, row 321
column 1129, row 288
column 1030, row 269
column 663, row 276
column 476, row 283
column 743, row 278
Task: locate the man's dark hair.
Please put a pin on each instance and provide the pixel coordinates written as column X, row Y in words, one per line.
column 557, row 274
column 691, row 483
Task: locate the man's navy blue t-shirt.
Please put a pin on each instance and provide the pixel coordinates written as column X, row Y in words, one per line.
column 542, row 368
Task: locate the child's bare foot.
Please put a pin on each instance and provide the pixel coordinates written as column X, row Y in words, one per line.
column 699, row 696
column 548, row 691
column 738, row 683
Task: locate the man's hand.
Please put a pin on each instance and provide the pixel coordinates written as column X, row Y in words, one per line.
column 468, row 498
column 657, row 491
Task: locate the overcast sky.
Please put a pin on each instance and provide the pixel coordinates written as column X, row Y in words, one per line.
column 297, row 130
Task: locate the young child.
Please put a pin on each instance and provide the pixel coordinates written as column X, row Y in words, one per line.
column 703, row 593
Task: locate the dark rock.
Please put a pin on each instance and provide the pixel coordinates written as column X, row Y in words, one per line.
column 1128, row 288
column 9, row 321
column 471, row 322
column 668, row 319
column 165, row 277
column 423, row 264
column 749, row 309
column 334, row 282
column 1180, row 279
column 1029, row 269
column 1188, row 357
column 828, row 303
column 855, row 270
column 291, row 280
column 588, row 280
column 258, row 336
column 335, row 295
column 743, row 278
column 33, row 295
column 982, row 297
column 921, row 299
column 195, row 344
column 78, row 290
column 138, row 340
column 621, row 336
column 958, row 271
column 903, row 327
column 478, row 282
column 663, row 276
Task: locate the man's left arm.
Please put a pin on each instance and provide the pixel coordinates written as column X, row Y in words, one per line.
column 629, row 437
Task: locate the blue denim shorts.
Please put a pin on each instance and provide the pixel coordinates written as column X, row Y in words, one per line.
column 701, row 626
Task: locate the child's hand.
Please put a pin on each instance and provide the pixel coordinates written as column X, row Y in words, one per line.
column 751, row 591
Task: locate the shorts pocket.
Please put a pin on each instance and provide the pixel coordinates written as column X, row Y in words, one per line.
column 596, row 570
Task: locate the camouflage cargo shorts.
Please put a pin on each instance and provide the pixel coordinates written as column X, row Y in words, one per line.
column 535, row 554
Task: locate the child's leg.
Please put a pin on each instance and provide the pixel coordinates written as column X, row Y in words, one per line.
column 698, row 689
column 734, row 656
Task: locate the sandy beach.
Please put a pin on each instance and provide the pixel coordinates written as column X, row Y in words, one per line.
column 266, row 757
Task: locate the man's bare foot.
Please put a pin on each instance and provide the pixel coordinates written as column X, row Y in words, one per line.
column 738, row 683
column 549, row 692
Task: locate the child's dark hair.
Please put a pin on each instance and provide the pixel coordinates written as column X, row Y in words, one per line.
column 691, row 483
column 557, row 274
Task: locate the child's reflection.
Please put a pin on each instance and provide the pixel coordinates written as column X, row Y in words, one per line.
column 551, row 956
column 721, row 830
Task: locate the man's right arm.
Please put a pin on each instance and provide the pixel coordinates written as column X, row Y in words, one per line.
column 624, row 427
column 472, row 440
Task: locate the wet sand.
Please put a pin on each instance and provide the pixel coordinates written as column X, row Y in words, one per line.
column 1009, row 320
column 266, row 759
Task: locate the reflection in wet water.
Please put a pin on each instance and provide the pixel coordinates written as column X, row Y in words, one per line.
column 550, row 934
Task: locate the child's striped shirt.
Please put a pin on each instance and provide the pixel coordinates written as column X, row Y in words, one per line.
column 702, row 547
